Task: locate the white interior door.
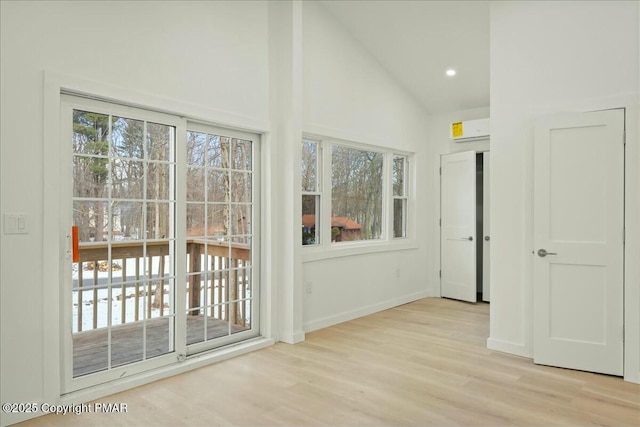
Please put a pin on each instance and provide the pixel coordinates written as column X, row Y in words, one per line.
column 578, row 238
column 458, row 227
column 486, row 230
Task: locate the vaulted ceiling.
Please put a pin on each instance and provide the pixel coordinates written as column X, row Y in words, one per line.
column 417, row 41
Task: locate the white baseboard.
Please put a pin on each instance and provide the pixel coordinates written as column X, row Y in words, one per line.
column 363, row 311
column 509, row 347
column 633, row 379
column 293, row 338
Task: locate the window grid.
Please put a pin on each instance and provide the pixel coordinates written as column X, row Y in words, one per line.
column 219, row 233
column 400, row 196
column 311, row 184
column 102, row 180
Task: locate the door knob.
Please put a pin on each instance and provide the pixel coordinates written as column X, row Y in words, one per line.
column 543, row 253
column 487, row 238
column 470, row 238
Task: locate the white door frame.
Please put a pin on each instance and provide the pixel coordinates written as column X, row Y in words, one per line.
column 54, row 235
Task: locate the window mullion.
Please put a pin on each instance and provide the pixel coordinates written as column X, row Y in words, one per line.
column 319, row 168
column 387, row 196
column 325, row 198
column 180, row 214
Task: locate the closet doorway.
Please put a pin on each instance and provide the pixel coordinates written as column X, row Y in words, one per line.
column 464, row 226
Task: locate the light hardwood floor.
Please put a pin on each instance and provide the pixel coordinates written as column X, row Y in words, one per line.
column 423, row 364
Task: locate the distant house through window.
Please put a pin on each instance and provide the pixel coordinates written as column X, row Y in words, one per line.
column 342, row 228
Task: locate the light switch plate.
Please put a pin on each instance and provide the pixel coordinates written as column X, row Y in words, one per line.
column 16, row 223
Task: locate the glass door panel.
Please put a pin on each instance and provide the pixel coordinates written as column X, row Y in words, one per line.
column 220, row 228
column 123, row 284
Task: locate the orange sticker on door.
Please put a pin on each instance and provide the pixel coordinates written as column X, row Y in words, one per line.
column 74, row 244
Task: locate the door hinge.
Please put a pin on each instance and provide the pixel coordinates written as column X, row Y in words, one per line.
column 440, row 171
column 624, row 235
column 440, row 274
column 624, row 137
column 440, row 222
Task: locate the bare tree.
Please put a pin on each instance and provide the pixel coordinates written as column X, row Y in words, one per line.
column 356, row 177
column 90, row 172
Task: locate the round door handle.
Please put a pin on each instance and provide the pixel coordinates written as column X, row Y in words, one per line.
column 487, row 238
column 470, row 238
column 543, row 253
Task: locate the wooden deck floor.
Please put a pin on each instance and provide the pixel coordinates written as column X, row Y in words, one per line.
column 420, row 364
column 90, row 348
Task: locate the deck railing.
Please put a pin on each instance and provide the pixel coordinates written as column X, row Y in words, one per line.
column 227, row 281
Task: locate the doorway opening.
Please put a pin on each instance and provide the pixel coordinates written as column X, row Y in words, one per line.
column 464, row 226
column 480, row 235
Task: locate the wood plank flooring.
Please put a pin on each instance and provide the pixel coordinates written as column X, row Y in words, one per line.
column 422, row 364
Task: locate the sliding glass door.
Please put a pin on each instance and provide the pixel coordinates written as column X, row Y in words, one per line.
column 161, row 260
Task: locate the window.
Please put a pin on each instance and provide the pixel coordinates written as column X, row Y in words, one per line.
column 356, row 194
column 400, row 199
column 310, row 192
column 353, row 193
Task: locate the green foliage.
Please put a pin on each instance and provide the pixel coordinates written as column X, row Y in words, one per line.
column 335, row 232
column 91, row 131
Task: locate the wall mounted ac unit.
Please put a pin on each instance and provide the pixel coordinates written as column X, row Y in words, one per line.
column 470, row 130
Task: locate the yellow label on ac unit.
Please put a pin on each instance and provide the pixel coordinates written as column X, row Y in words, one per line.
column 456, row 130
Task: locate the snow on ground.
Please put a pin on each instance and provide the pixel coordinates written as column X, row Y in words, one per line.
column 113, row 298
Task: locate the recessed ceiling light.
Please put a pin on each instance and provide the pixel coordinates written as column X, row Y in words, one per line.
column 451, row 72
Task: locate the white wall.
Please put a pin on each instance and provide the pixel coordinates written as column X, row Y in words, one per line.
column 347, row 95
column 282, row 236
column 550, row 57
column 211, row 55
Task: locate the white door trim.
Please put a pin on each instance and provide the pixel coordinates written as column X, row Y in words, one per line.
column 53, row 234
